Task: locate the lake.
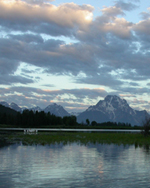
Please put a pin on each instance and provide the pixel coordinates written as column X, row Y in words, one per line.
column 74, row 166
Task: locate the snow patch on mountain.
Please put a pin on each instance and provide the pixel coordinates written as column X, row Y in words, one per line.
column 57, row 110
column 37, row 108
column 15, row 107
column 4, row 104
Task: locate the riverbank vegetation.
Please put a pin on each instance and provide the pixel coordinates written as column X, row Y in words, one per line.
column 78, row 137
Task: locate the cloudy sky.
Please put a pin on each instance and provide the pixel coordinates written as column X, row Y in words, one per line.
column 74, row 53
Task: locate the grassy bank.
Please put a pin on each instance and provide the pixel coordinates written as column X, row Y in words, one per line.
column 75, row 127
column 81, row 138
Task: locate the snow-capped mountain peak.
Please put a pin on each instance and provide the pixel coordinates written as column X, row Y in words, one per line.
column 112, row 108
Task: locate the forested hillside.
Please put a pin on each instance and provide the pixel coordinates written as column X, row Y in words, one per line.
column 7, row 110
column 30, row 119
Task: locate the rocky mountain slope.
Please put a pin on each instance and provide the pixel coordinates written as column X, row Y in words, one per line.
column 57, row 110
column 114, row 109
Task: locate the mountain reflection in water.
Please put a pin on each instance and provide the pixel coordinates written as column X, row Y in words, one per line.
column 74, row 165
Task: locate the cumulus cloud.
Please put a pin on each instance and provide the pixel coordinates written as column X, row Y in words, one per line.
column 37, row 1
column 106, row 51
column 143, row 27
column 60, row 58
column 127, row 6
column 112, row 11
column 23, row 16
column 119, row 27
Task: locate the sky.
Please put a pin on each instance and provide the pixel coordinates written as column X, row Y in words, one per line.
column 74, row 53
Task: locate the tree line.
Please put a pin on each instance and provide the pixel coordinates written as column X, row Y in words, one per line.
column 31, row 119
column 28, row 118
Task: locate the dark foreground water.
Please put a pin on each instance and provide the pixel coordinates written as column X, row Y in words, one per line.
column 73, row 166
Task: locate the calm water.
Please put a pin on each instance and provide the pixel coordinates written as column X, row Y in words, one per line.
column 72, row 166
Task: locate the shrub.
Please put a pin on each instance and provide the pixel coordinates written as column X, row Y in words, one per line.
column 146, row 126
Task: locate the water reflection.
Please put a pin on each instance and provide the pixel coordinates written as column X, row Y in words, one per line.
column 74, row 165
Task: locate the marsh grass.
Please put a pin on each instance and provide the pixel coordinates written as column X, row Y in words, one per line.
column 81, row 138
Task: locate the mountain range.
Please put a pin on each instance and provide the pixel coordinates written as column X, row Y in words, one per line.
column 53, row 108
column 112, row 108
